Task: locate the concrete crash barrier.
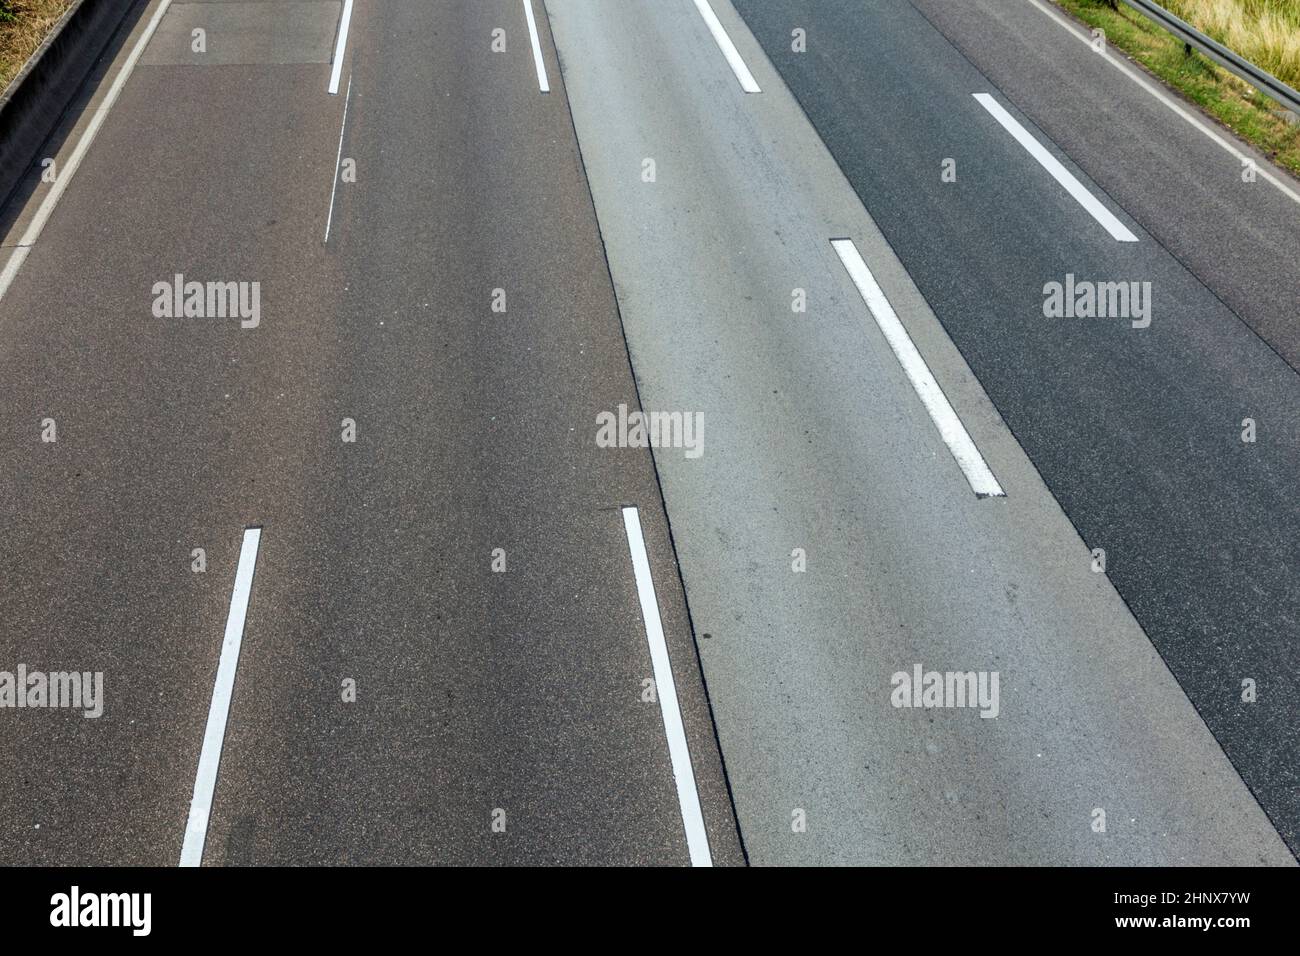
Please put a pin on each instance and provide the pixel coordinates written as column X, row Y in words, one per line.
column 32, row 106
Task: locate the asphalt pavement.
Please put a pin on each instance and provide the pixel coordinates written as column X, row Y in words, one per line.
column 467, row 233
column 476, row 690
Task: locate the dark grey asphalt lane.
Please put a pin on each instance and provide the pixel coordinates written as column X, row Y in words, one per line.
column 170, row 438
column 1136, row 432
column 475, row 691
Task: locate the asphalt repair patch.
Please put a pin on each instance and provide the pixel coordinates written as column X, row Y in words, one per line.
column 237, row 33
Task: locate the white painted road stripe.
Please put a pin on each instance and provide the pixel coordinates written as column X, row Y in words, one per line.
column 747, row 81
column 33, row 231
column 205, row 781
column 542, row 83
column 16, row 260
column 697, row 840
column 936, row 403
column 338, row 161
column 1062, row 175
column 337, row 73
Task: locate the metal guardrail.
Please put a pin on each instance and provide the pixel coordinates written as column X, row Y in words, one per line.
column 1192, row 37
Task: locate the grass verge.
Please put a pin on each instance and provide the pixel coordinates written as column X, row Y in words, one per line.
column 1266, row 32
column 23, row 26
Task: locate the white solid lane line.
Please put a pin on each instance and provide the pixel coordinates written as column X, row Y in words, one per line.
column 33, row 231
column 205, row 780
column 16, row 260
column 542, row 83
column 953, row 432
column 336, row 74
column 747, row 81
column 1062, row 175
column 697, row 840
column 338, row 161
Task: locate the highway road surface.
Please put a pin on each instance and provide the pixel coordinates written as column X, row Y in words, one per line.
column 324, row 340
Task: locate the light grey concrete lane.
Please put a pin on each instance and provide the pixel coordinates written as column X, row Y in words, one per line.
column 816, row 441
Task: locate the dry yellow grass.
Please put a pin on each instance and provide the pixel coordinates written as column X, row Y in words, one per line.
column 1266, row 32
column 23, row 26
